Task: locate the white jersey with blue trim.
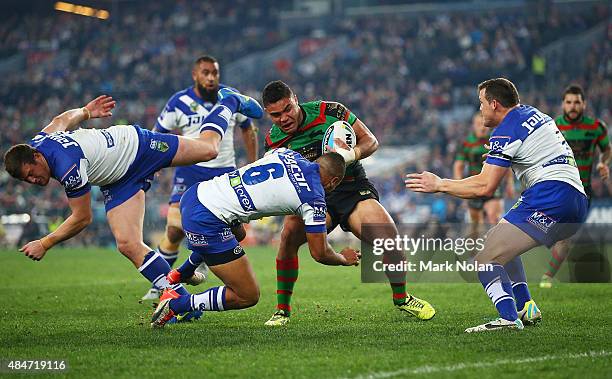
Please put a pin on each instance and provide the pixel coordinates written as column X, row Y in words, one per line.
column 281, row 183
column 185, row 112
column 86, row 157
column 530, row 142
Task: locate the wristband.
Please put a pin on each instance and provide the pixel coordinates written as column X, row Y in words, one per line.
column 86, row 111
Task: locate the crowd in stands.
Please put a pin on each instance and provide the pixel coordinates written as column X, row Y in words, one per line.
column 412, row 81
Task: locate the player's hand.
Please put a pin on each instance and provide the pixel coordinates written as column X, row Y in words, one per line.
column 34, row 250
column 423, row 182
column 604, row 171
column 352, row 256
column 343, row 149
column 101, row 106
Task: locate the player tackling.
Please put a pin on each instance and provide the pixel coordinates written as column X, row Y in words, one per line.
column 281, row 183
column 550, row 209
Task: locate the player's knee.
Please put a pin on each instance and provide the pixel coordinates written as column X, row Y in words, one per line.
column 175, row 235
column 128, row 247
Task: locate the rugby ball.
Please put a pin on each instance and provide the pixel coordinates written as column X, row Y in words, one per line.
column 341, row 130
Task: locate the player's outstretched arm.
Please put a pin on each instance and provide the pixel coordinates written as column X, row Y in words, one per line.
column 323, row 253
column 483, row 184
column 99, row 107
column 78, row 220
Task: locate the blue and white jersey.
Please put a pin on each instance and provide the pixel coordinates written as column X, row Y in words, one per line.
column 86, row 157
column 530, row 142
column 281, row 183
column 185, row 112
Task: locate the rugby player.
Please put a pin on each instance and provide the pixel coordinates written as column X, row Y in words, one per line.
column 281, row 183
column 354, row 202
column 185, row 111
column 550, row 209
column 584, row 134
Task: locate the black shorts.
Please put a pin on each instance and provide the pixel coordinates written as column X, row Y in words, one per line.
column 223, row 257
column 343, row 200
column 480, row 202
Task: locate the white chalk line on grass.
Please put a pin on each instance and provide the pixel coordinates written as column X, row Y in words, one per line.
column 427, row 369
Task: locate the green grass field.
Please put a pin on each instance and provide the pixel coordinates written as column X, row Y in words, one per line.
column 81, row 306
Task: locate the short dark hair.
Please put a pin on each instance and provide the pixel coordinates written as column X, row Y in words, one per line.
column 274, row 91
column 16, row 157
column 333, row 164
column 205, row 58
column 574, row 89
column 502, row 90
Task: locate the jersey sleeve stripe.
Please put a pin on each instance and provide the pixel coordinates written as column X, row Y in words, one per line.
column 497, row 161
column 213, row 127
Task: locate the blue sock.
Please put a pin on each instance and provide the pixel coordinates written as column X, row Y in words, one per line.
column 155, row 268
column 497, row 285
column 219, row 117
column 213, row 299
column 188, row 268
column 516, row 273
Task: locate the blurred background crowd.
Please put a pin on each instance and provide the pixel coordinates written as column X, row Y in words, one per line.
column 408, row 71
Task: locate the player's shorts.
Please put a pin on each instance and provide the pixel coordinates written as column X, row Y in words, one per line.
column 206, row 233
column 186, row 176
column 343, row 200
column 549, row 211
column 155, row 151
column 480, row 202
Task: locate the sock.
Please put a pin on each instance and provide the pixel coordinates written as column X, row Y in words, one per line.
column 516, row 273
column 155, row 268
column 188, row 268
column 399, row 293
column 213, row 299
column 497, row 285
column 286, row 276
column 219, row 117
column 554, row 263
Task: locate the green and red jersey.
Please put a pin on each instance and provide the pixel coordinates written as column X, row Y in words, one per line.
column 308, row 139
column 583, row 136
column 472, row 153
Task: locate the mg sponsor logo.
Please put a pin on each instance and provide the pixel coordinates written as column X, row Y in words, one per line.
column 196, row 239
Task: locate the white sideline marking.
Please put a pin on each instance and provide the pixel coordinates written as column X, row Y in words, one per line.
column 463, row 366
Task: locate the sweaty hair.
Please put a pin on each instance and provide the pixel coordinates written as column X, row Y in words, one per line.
column 332, row 164
column 274, row 91
column 16, row 157
column 205, row 58
column 500, row 89
column 574, row 89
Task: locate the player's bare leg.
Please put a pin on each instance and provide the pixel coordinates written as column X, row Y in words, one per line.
column 496, row 255
column 293, row 235
column 559, row 253
column 126, row 224
column 476, row 220
column 370, row 211
column 240, row 290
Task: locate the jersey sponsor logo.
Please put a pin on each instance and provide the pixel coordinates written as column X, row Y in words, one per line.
column 499, row 143
column 541, row 221
column 193, row 106
column 535, row 121
column 561, row 159
column 72, row 178
column 110, row 142
column 178, row 189
column 336, row 110
column 196, row 239
column 319, row 209
column 159, row 146
column 107, row 196
column 243, row 196
column 295, row 173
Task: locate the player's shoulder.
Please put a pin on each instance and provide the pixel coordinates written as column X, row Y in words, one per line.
column 336, row 109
